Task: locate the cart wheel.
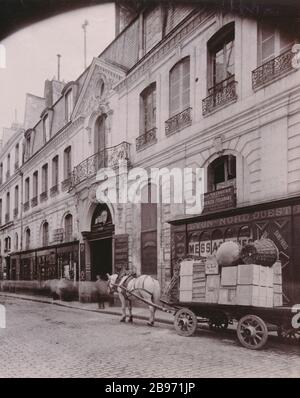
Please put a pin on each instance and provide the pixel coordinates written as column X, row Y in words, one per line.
column 185, row 322
column 218, row 324
column 252, row 332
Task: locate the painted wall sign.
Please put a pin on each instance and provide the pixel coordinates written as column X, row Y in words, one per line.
column 224, row 198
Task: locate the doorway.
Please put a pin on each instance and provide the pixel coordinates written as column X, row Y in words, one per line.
column 101, row 257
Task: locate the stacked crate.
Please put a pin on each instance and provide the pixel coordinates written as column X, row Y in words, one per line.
column 192, row 281
column 277, row 284
column 227, row 294
column 254, row 285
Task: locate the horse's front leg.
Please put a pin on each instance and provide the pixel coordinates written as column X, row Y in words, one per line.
column 152, row 315
column 130, row 319
column 123, row 304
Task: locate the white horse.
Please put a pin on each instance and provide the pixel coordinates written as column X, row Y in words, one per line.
column 143, row 286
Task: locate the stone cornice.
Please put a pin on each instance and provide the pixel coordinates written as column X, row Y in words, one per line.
column 165, row 47
column 54, row 141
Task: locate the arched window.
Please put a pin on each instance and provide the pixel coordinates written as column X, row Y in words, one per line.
column 100, row 131
column 180, row 87
column 101, row 88
column 45, row 234
column 222, row 173
column 148, row 109
column 69, row 105
column 27, row 238
column 68, row 227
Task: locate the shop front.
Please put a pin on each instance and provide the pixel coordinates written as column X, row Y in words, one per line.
column 278, row 221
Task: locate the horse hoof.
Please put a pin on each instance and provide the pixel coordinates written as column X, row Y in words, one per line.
column 122, row 319
column 150, row 323
column 130, row 320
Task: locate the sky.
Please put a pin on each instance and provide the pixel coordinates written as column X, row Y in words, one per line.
column 31, row 55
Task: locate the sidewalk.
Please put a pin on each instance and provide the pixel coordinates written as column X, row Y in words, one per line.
column 138, row 312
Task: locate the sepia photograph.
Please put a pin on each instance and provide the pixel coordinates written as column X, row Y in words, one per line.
column 149, row 191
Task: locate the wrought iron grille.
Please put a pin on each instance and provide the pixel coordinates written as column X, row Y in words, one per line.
column 109, row 157
column 16, row 212
column 221, row 94
column 26, row 206
column 179, row 121
column 66, row 184
column 16, row 166
column 54, row 190
column 272, row 69
column 146, row 139
column 43, row 196
column 34, row 201
column 6, row 218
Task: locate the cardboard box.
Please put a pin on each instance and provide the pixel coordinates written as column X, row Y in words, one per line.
column 185, row 296
column 277, row 289
column 277, row 300
column 186, row 268
column 227, row 295
column 229, row 276
column 212, row 288
column 186, row 283
column 248, row 295
column 266, row 276
column 211, row 266
column 248, row 274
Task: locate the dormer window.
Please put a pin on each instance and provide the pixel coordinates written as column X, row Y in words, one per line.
column 69, row 105
column 46, row 128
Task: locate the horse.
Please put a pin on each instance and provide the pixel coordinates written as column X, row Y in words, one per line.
column 143, row 286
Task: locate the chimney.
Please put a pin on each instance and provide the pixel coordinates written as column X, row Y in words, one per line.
column 52, row 91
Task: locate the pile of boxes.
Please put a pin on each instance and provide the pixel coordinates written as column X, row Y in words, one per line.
column 244, row 284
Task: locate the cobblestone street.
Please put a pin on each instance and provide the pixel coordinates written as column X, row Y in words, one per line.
column 43, row 340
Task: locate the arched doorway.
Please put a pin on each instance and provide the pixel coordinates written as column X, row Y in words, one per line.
column 100, row 240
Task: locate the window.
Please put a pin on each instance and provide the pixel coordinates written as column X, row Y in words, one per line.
column 16, row 241
column 221, row 55
column 101, row 86
column 35, row 184
column 8, row 166
column 27, row 182
column 148, row 231
column 180, row 87
column 28, row 146
column 273, row 41
column 148, row 109
column 45, row 233
column 45, row 178
column 7, row 216
column 1, row 173
column 1, row 211
column 16, row 199
column 222, row 173
column 17, row 154
column 68, row 227
column 55, row 171
column 46, row 128
column 7, row 244
column 67, row 163
column 69, row 105
column 27, row 238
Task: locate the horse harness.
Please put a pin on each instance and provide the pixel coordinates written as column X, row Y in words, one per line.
column 124, row 285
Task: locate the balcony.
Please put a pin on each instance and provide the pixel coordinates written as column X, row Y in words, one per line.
column 54, row 190
column 34, row 201
column 26, row 205
column 66, row 184
column 146, row 139
column 179, row 122
column 273, row 69
column 16, row 212
column 44, row 196
column 109, row 157
column 6, row 218
column 16, row 166
column 221, row 94
column 7, row 174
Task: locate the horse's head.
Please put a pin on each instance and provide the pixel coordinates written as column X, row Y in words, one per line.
column 112, row 279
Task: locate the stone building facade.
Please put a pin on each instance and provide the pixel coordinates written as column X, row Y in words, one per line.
column 180, row 86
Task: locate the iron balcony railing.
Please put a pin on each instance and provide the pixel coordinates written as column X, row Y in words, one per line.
column 44, row 196
column 219, row 95
column 34, row 201
column 66, row 184
column 179, row 121
column 6, row 218
column 16, row 166
column 109, row 157
column 146, row 139
column 54, row 190
column 26, row 205
column 273, row 69
column 16, row 212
